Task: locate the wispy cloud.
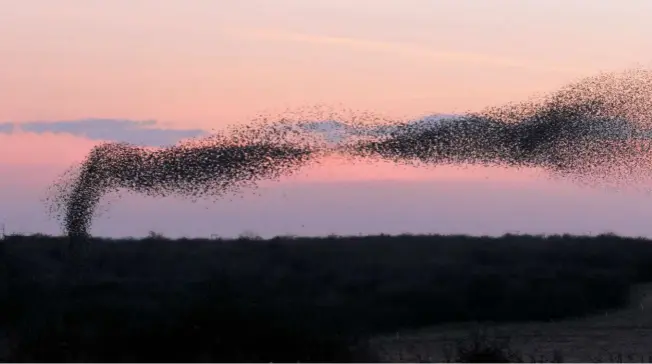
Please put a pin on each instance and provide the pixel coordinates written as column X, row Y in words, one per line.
column 145, row 133
column 396, row 48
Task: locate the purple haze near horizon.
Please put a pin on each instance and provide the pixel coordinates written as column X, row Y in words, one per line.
column 482, row 206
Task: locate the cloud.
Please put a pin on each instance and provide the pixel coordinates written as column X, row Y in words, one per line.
column 145, row 133
column 6, row 128
column 150, row 134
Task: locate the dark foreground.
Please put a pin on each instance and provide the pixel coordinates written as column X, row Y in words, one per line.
column 292, row 299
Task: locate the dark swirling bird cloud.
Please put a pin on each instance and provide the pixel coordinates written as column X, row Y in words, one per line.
column 143, row 133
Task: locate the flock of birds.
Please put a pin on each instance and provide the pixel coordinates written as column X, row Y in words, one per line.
column 595, row 129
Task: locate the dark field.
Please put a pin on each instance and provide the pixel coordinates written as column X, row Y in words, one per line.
column 292, row 299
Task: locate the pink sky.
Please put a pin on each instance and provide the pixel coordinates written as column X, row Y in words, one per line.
column 207, row 64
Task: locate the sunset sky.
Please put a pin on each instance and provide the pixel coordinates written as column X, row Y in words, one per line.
column 75, row 73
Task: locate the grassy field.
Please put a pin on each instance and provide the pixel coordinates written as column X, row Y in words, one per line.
column 618, row 335
column 296, row 299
